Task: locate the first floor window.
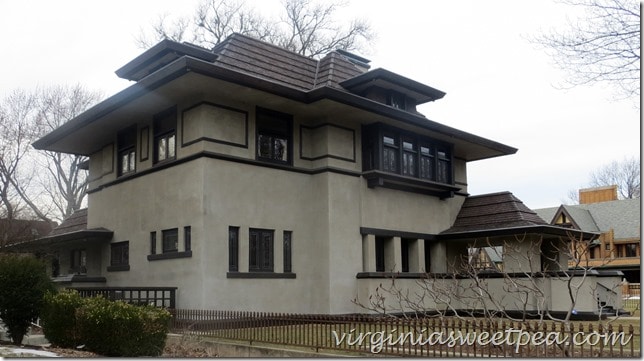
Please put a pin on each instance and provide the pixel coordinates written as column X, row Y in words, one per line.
column 233, row 249
column 170, row 238
column 79, row 261
column 187, row 238
column 260, row 250
column 120, row 254
column 287, row 251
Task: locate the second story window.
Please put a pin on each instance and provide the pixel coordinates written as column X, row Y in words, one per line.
column 165, row 135
column 126, row 147
column 274, row 140
column 396, row 100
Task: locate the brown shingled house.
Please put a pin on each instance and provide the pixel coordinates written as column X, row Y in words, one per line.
column 248, row 177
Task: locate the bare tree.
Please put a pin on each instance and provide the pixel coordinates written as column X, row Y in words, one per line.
column 625, row 174
column 307, row 27
column 40, row 185
column 603, row 47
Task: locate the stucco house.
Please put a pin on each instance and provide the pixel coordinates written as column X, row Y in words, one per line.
column 253, row 178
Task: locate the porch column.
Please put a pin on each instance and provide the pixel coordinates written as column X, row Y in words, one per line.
column 393, row 255
column 417, row 256
column 368, row 253
column 438, row 257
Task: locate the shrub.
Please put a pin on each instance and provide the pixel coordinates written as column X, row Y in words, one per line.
column 58, row 318
column 119, row 329
column 23, row 285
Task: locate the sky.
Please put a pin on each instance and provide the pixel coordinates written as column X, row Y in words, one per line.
column 498, row 84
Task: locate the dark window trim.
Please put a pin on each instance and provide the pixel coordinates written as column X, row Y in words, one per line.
column 153, row 242
column 229, row 158
column 126, row 145
column 118, row 268
column 266, row 275
column 171, row 255
column 353, row 134
column 214, row 140
column 146, row 146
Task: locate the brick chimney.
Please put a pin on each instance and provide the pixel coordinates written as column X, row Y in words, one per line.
column 598, row 194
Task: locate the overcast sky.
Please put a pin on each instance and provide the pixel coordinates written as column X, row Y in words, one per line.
column 498, row 85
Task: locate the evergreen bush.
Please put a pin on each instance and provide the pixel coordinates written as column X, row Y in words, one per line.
column 58, row 318
column 115, row 328
column 23, row 285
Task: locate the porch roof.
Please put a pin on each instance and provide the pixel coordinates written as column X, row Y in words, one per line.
column 502, row 214
column 72, row 229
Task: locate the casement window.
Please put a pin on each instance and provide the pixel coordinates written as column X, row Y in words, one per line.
column 287, row 242
column 78, row 261
column 165, row 135
column 233, row 249
column 274, row 136
column 153, row 242
column 120, row 254
column 260, row 250
column 126, row 148
column 170, row 240
column 399, row 152
column 187, row 238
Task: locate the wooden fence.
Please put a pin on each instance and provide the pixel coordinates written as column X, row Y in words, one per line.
column 421, row 337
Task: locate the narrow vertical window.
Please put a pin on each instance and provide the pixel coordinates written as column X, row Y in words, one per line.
column 427, row 163
column 187, row 238
column 153, row 242
column 409, row 157
column 287, row 251
column 126, row 148
column 233, row 249
column 444, row 168
column 390, row 153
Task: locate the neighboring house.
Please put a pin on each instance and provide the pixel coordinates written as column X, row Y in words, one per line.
column 14, row 231
column 618, row 221
column 253, row 178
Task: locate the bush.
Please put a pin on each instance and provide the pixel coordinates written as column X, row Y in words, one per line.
column 58, row 318
column 23, row 285
column 119, row 329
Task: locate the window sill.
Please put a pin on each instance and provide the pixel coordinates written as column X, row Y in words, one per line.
column 123, row 267
column 376, row 178
column 259, row 275
column 169, row 255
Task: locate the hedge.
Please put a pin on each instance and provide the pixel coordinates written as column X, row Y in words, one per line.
column 109, row 328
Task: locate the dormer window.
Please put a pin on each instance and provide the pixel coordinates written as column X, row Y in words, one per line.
column 396, row 100
column 126, row 145
column 165, row 135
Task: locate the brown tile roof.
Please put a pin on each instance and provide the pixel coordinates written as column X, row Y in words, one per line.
column 267, row 61
column 76, row 222
column 494, row 211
